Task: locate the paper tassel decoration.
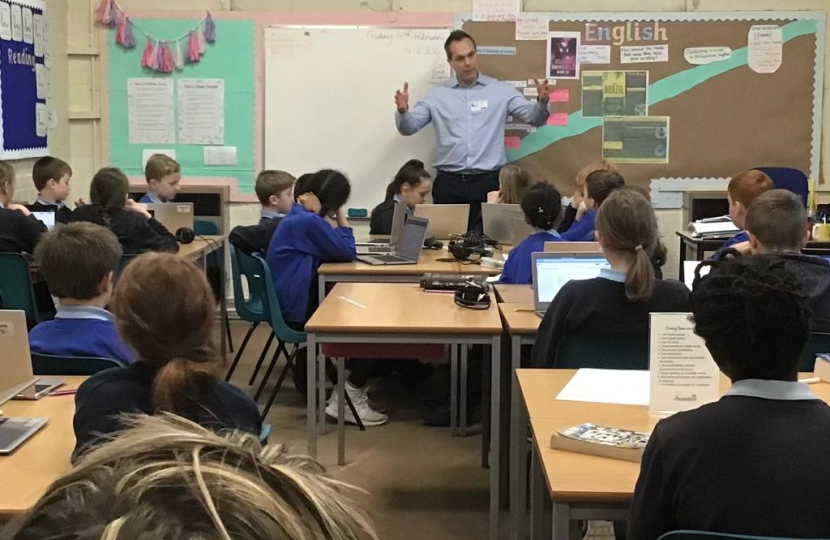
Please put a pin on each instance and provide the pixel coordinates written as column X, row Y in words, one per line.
column 158, row 54
column 210, row 28
column 178, row 59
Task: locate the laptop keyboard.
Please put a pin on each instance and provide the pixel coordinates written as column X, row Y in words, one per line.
column 377, row 249
column 390, row 258
column 13, row 430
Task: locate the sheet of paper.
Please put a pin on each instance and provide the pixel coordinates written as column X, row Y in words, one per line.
column 532, row 27
column 512, row 142
column 496, row 51
column 40, row 81
column 150, row 107
column 561, row 55
column 689, row 268
column 558, row 119
column 39, row 41
column 614, row 93
column 496, row 10
column 635, row 139
column 641, row 54
column 47, row 58
column 683, row 374
column 766, row 48
column 222, row 156
column 17, row 23
column 561, row 96
column 530, row 92
column 5, row 21
column 594, row 54
column 201, row 111
column 706, row 55
column 52, row 118
column 42, row 119
column 28, row 26
column 625, row 387
column 147, row 153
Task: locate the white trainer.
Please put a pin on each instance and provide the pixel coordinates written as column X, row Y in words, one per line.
column 360, row 398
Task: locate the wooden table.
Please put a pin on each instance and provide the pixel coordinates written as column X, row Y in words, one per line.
column 578, row 485
column 398, row 313
column 515, row 294
column 44, row 458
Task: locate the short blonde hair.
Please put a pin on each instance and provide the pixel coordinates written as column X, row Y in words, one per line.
column 585, row 171
column 167, row 477
column 159, row 166
column 272, row 183
column 7, row 176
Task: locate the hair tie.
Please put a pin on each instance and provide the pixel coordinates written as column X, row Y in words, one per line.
column 638, row 248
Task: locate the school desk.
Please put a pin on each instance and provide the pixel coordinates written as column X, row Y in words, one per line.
column 578, row 485
column 44, row 458
column 514, row 294
column 400, row 313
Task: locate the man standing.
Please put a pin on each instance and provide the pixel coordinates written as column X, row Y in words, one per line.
column 469, row 114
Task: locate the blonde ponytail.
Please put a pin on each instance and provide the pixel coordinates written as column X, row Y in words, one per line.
column 639, row 280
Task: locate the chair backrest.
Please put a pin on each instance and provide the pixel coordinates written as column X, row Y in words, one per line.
column 16, row 286
column 47, row 364
column 706, row 535
column 254, row 308
column 816, row 343
column 205, row 228
column 602, row 351
column 789, row 179
column 283, row 332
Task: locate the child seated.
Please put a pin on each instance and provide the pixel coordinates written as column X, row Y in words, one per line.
column 576, row 209
column 514, row 181
column 620, row 300
column 78, row 262
column 274, row 191
column 164, row 310
column 51, row 177
column 741, row 192
column 776, row 223
column 598, row 186
column 542, row 205
column 412, row 185
column 135, row 228
column 19, row 230
column 164, row 177
column 304, row 240
column 755, row 462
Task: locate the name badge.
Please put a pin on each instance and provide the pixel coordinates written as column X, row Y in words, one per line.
column 478, row 106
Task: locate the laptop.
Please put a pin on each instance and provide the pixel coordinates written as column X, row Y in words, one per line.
column 408, row 250
column 445, row 220
column 497, row 219
column 521, row 230
column 15, row 378
column 173, row 215
column 552, row 270
column 367, row 247
column 47, row 217
column 573, row 247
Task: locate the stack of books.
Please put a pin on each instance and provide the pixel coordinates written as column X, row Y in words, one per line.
column 715, row 227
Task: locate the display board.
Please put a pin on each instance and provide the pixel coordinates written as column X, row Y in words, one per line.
column 686, row 95
column 329, row 101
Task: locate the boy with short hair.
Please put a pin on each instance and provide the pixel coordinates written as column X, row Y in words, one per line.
column 51, row 177
column 755, row 462
column 742, row 191
column 164, row 177
column 598, row 186
column 777, row 224
column 274, row 191
column 78, row 261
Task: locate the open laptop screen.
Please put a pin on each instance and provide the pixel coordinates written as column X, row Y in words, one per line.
column 553, row 270
column 47, row 218
column 412, row 238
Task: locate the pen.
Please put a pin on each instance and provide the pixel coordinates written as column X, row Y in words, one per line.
column 352, row 302
column 811, row 380
column 63, row 393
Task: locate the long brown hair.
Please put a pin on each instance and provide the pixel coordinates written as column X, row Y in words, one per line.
column 628, row 227
column 514, row 182
column 163, row 307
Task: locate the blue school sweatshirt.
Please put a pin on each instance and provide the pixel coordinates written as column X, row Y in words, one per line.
column 80, row 331
column 302, row 242
column 519, row 266
column 737, row 239
column 582, row 230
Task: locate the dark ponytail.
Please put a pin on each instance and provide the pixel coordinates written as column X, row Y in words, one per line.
column 332, row 188
column 108, row 191
column 542, row 205
column 412, row 173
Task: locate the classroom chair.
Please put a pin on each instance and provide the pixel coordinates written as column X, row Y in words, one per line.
column 16, row 287
column 817, row 343
column 602, row 351
column 789, row 179
column 706, row 535
column 253, row 309
column 49, row 364
column 205, row 228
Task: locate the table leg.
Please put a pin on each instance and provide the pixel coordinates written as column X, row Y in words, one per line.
column 495, row 433
column 561, row 521
column 321, row 393
column 518, row 448
column 341, row 411
column 321, row 289
column 311, row 393
column 682, row 258
column 538, row 494
column 462, row 414
column 454, row 389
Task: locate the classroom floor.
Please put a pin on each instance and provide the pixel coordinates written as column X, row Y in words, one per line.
column 420, row 482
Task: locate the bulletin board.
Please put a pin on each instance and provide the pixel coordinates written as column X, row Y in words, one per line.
column 747, row 94
column 229, row 62
column 23, row 80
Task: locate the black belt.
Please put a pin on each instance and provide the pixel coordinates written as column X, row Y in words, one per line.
column 469, row 176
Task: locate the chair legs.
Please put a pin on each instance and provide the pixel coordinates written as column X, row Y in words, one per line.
column 242, row 348
column 230, row 337
column 280, row 349
column 261, row 358
column 331, row 371
column 289, row 364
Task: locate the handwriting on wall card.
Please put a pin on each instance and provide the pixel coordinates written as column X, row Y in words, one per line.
column 535, row 27
column 201, row 111
column 495, row 10
column 766, row 48
column 151, row 112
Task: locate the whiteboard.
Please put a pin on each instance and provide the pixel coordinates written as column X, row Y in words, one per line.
column 329, row 101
